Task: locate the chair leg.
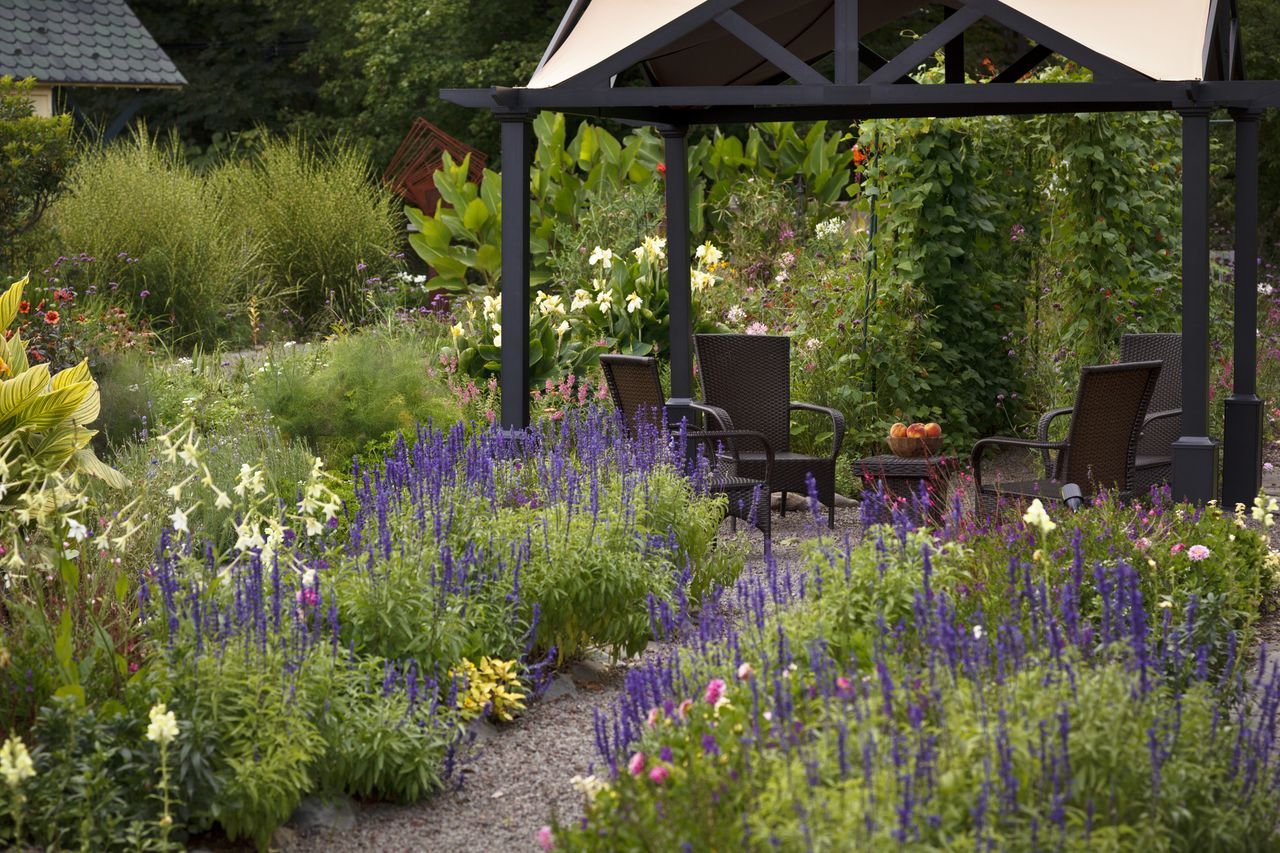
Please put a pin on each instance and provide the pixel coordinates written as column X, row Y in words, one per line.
column 831, row 515
column 733, row 523
column 783, row 512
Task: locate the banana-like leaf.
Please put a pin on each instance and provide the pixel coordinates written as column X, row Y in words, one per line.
column 16, row 355
column 86, row 461
column 87, row 412
column 54, row 449
column 49, row 410
column 9, row 302
column 17, row 393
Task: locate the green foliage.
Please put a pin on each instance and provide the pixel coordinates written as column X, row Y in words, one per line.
column 339, row 395
column 325, row 225
column 164, row 236
column 92, row 774
column 37, row 153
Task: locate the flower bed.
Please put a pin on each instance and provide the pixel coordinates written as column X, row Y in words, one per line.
column 1072, row 683
column 325, row 652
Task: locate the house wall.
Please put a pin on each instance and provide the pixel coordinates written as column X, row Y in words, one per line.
column 42, row 100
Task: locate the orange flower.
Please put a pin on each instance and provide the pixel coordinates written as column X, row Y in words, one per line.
column 24, row 306
column 858, row 155
column 52, row 317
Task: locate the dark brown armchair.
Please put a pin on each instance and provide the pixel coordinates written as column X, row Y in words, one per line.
column 746, row 384
column 636, row 390
column 1101, row 444
column 1153, row 465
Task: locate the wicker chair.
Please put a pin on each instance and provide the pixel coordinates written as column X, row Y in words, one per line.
column 746, row 380
column 1101, row 443
column 636, row 389
column 1153, row 465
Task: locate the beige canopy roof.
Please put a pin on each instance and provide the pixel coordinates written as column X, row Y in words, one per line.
column 1162, row 39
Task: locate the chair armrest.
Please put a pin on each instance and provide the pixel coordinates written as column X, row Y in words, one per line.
column 1003, row 441
column 721, row 417
column 1161, row 415
column 731, row 434
column 1042, row 433
column 837, row 422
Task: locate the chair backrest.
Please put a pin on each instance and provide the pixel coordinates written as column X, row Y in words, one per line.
column 1165, row 347
column 635, row 387
column 749, row 376
column 1103, row 437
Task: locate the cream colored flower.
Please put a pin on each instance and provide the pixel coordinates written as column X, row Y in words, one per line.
column 563, row 327
column 497, row 334
column 604, row 257
column 634, row 302
column 655, row 247
column 708, row 254
column 605, row 300
column 456, row 331
column 164, row 725
column 1035, row 516
column 492, row 305
column 179, row 520
column 581, row 299
column 15, row 762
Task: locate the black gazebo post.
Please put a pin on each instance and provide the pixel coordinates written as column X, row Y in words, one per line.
column 676, row 159
column 1242, row 423
column 1195, row 454
column 517, row 156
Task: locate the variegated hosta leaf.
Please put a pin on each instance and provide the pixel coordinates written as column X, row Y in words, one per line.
column 85, row 460
column 16, row 356
column 49, row 410
column 17, row 393
column 10, row 300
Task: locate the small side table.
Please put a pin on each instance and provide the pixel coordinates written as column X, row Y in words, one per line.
column 902, row 478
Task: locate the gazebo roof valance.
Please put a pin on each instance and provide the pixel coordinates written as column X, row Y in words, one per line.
column 1159, row 39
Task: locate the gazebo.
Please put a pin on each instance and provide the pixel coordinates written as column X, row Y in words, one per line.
column 729, row 61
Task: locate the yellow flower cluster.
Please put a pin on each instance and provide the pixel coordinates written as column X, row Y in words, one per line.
column 493, row 683
column 15, row 762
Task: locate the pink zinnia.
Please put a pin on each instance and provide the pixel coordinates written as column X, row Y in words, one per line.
column 659, row 774
column 715, row 689
column 1177, row 549
column 683, row 708
column 545, row 841
column 654, row 716
column 1198, row 552
column 636, row 765
column 1142, row 544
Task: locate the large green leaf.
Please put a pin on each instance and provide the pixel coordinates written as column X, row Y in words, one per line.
column 476, row 214
column 86, row 461
column 10, row 301
column 17, row 393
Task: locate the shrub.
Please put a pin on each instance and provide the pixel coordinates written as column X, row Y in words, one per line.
column 163, row 236
column 339, row 395
column 325, row 224
column 38, row 152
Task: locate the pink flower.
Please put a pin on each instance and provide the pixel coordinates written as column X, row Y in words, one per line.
column 652, row 719
column 1142, row 544
column 1198, row 552
column 545, row 841
column 659, row 774
column 683, row 708
column 308, row 597
column 757, row 328
column 745, row 672
column 715, row 689
column 636, row 765
column 842, row 684
column 1177, row 549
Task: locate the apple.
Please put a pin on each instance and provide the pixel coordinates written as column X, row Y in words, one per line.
column 915, row 431
column 932, row 430
column 898, row 430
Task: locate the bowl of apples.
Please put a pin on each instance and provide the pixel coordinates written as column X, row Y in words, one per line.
column 915, row 440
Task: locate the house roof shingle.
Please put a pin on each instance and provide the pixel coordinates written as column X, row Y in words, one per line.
column 81, row 42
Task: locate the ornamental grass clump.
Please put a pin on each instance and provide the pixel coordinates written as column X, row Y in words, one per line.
column 1022, row 689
